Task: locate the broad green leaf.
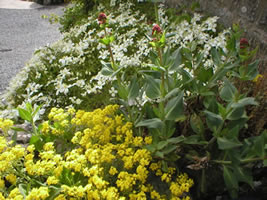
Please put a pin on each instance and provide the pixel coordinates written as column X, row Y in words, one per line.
column 187, row 54
column 153, row 87
column 177, row 60
column 259, row 146
column 211, row 104
column 168, row 149
column 230, row 180
column 194, row 139
column 107, row 69
column 222, row 110
column 228, row 91
column 220, row 73
column 250, row 71
column 203, row 74
column 172, row 93
column 29, row 107
column 151, row 147
column 244, row 102
column 161, row 145
column 243, row 175
column 197, row 124
column 159, row 154
column 151, row 123
column 174, row 108
column 123, row 92
column 24, row 114
column 214, row 121
column 216, row 56
column 176, row 140
column 226, row 144
column 236, row 113
column 133, row 89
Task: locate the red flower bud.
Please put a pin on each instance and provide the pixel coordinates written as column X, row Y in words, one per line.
column 243, row 43
column 156, row 29
column 102, row 18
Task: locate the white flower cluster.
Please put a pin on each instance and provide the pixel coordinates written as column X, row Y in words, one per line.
column 202, row 34
column 66, row 72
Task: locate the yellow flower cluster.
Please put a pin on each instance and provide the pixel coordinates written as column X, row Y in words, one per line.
column 9, row 157
column 5, row 124
column 105, row 161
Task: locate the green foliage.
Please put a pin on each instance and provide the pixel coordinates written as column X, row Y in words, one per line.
column 212, row 106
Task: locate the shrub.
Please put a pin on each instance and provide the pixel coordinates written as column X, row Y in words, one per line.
column 64, row 73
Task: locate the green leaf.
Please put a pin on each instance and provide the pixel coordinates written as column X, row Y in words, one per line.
column 161, row 145
column 176, row 140
column 153, row 87
column 236, row 113
column 226, row 144
column 197, row 124
column 220, row 73
column 194, row 139
column 151, row 147
column 18, row 129
column 24, row 114
column 23, row 190
column 244, row 102
column 123, row 92
column 29, row 107
column 177, row 60
column 230, row 180
column 162, row 39
column 159, row 154
column 168, row 149
column 37, row 142
column 228, row 91
column 187, row 54
column 216, row 56
column 243, row 175
column 250, row 71
column 151, row 123
column 172, row 93
column 214, row 121
column 174, row 108
column 203, row 74
column 133, row 89
column 105, row 40
column 259, row 146
column 107, row 69
column 111, row 38
column 36, row 110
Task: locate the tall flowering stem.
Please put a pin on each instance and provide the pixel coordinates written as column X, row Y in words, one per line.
column 103, row 21
column 158, row 42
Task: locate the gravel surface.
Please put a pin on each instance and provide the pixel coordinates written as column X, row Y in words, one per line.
column 21, row 32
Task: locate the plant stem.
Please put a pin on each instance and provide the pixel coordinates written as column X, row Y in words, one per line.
column 110, row 51
column 252, row 160
column 228, row 162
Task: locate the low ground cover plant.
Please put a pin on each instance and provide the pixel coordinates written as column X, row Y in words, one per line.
column 182, row 104
column 86, row 155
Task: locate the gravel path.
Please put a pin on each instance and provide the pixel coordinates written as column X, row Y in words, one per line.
column 21, row 32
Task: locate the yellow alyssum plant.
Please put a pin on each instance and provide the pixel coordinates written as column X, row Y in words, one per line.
column 106, row 162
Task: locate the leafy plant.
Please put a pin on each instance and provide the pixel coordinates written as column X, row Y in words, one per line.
column 194, row 113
